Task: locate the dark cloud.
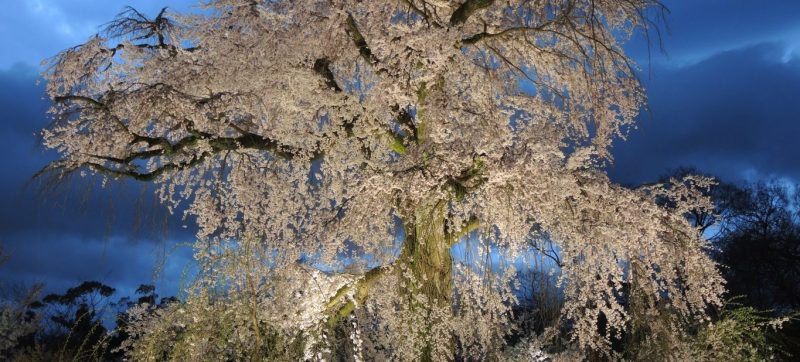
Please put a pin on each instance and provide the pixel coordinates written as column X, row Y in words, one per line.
column 79, row 230
column 735, row 114
column 695, row 30
column 79, row 206
column 62, row 261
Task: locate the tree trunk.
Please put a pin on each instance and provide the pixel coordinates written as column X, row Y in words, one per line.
column 425, row 257
column 426, row 254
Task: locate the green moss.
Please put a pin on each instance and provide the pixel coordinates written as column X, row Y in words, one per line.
column 396, row 143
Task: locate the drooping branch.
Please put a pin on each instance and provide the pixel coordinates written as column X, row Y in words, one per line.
column 472, row 224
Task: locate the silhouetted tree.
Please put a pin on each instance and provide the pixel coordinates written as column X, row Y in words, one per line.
column 77, row 328
column 760, row 246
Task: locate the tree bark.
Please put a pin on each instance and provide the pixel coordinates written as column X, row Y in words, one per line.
column 425, row 254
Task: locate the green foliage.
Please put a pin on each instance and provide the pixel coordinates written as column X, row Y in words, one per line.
column 207, row 328
column 742, row 333
column 736, row 333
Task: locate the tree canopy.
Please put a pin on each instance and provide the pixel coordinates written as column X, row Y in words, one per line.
column 334, row 152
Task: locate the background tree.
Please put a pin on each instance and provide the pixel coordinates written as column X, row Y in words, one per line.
column 76, row 326
column 760, row 248
column 18, row 317
column 72, row 325
column 760, row 245
column 318, row 135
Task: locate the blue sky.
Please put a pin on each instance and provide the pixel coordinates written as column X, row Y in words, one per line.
column 723, row 99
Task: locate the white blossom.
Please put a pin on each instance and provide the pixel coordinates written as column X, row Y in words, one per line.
column 316, row 132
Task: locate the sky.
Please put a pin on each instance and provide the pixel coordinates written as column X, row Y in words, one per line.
column 724, row 98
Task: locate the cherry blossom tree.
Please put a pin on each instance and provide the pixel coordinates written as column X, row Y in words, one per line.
column 333, row 152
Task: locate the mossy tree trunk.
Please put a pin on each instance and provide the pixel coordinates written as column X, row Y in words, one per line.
column 426, row 255
column 425, row 266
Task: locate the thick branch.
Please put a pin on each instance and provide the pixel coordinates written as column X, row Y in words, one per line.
column 338, row 307
column 126, row 169
column 359, row 41
column 486, row 35
column 322, row 66
column 76, row 98
column 468, row 180
column 144, row 176
column 466, row 10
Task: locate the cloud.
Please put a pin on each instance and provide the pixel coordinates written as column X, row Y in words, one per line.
column 734, row 114
column 62, row 261
column 697, row 30
column 80, row 231
column 81, row 206
column 33, row 30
